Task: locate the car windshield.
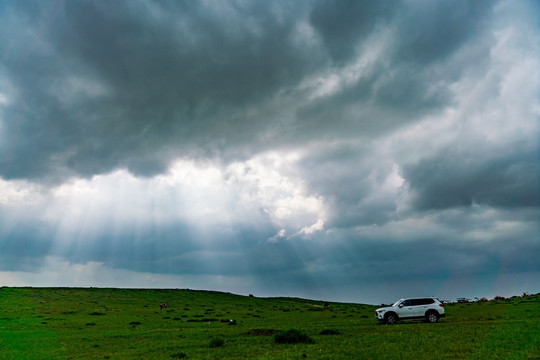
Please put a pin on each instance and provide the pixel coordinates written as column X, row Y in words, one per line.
column 396, row 303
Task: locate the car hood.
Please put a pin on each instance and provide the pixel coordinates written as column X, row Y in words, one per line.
column 384, row 309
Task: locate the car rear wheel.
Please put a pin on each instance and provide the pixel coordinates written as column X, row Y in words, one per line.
column 432, row 317
column 391, row 319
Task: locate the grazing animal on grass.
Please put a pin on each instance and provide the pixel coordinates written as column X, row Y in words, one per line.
column 162, row 306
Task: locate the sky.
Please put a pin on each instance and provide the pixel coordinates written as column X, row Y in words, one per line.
column 357, row 151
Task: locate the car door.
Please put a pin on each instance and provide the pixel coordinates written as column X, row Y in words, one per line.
column 405, row 309
column 421, row 307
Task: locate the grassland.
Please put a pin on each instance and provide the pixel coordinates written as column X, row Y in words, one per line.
column 73, row 323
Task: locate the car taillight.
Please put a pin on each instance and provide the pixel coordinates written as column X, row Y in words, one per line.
column 441, row 305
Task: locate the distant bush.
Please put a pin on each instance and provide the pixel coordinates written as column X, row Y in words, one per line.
column 135, row 323
column 217, row 342
column 96, row 313
column 179, row 355
column 292, row 336
column 260, row 332
column 329, row 332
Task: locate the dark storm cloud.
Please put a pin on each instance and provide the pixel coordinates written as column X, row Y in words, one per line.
column 431, row 30
column 415, row 69
column 427, row 31
column 98, row 86
column 345, row 24
column 153, row 80
column 461, row 178
column 408, row 262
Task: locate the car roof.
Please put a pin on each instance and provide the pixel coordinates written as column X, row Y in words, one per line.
column 420, row 297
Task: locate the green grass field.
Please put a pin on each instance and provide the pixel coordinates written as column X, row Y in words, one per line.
column 73, row 323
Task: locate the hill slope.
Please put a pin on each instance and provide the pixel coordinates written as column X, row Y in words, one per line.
column 76, row 323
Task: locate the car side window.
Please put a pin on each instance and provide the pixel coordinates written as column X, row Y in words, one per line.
column 418, row 302
column 406, row 303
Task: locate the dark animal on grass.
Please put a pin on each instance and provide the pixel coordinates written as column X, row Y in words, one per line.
column 162, row 306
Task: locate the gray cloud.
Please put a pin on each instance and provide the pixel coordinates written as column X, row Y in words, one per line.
column 461, row 179
column 99, row 86
column 343, row 25
column 112, row 87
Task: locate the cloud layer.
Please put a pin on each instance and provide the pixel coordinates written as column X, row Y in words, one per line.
column 314, row 148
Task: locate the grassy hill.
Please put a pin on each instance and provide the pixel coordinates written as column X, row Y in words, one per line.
column 80, row 323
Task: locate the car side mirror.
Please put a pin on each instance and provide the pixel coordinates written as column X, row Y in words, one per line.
column 400, row 305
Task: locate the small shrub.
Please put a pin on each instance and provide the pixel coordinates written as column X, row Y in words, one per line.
column 292, row 336
column 96, row 313
column 216, row 342
column 179, row 355
column 90, row 324
column 135, row 323
column 330, row 332
column 260, row 332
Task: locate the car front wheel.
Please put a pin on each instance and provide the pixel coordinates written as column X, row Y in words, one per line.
column 432, row 317
column 391, row 319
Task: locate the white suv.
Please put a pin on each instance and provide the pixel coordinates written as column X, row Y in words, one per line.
column 429, row 309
